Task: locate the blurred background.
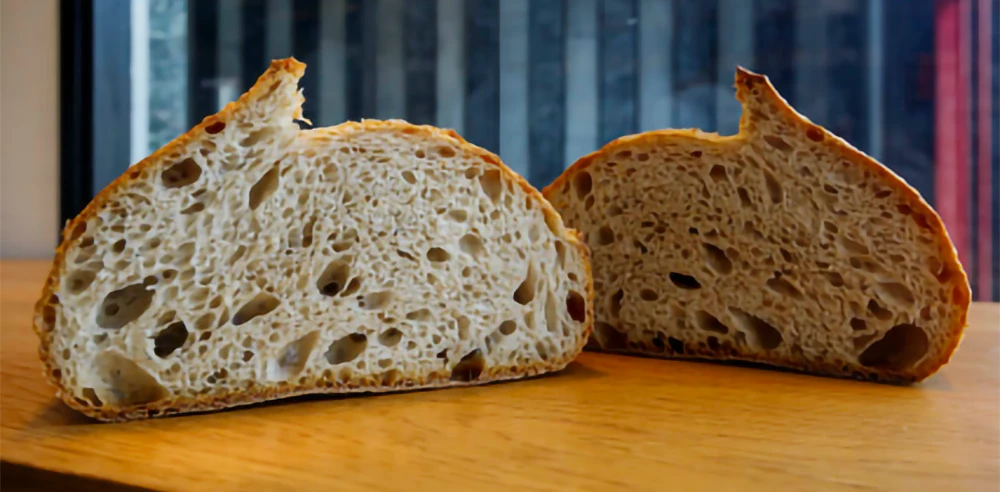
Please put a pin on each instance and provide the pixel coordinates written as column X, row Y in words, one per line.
column 914, row 83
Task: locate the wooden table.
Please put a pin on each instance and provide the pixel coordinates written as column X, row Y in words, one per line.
column 607, row 422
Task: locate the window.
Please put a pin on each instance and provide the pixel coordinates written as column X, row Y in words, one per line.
column 542, row 82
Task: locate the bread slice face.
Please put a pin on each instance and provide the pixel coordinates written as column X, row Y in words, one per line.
column 781, row 245
column 249, row 260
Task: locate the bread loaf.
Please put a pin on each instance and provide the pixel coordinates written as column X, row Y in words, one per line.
column 249, row 260
column 781, row 245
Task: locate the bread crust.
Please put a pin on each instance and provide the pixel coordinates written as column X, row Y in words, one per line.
column 752, row 85
column 255, row 393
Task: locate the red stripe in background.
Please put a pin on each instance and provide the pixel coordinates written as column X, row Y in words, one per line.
column 985, row 134
column 951, row 121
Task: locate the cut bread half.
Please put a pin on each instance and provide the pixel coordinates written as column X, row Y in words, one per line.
column 781, row 245
column 249, row 260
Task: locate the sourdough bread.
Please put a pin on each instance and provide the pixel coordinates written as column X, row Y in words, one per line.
column 249, row 260
column 781, row 245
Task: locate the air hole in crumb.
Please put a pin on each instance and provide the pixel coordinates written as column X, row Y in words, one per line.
column 774, row 189
column 710, row 323
column 123, row 383
column 458, row 215
column 347, row 348
column 899, row 349
column 79, row 281
column 676, row 345
column 525, row 292
column 264, row 187
column 409, row 177
column 648, row 295
column 853, row 246
column 470, row 244
column 835, row 279
column 390, row 337
column 376, row 300
column 469, row 368
column 334, row 278
column 419, row 315
column 170, row 339
column 878, row 311
column 763, row 333
column 438, row 255
column 78, row 231
column 814, row 134
column 118, row 247
column 616, row 302
column 123, row 306
column 446, row 152
column 215, row 128
column 783, row 287
column 904, row 209
column 858, row 324
column 895, row 293
column 508, row 327
column 717, row 259
column 744, row 198
column 181, row 174
column 778, row 143
column 695, row 153
column 576, row 306
column 684, row 281
column 582, row 183
column 718, row 173
column 492, row 184
column 262, row 304
column 293, row 357
column 92, row 397
column 605, row 236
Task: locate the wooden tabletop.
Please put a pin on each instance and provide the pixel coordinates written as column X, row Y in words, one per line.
column 607, row 422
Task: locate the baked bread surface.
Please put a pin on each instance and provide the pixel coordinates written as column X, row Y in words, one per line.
column 249, row 260
column 781, row 245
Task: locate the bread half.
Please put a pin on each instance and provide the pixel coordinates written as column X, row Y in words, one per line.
column 781, row 245
column 249, row 260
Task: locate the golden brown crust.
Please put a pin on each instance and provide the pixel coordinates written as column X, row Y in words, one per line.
column 751, row 85
column 254, row 393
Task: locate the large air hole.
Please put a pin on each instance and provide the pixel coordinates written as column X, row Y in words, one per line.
column 783, row 287
column 347, row 348
column 123, row 383
column 616, row 302
column 648, row 295
column 492, row 184
column 508, row 327
column 525, row 292
column 256, row 136
column 181, row 174
column 438, row 255
column 858, row 324
column 605, row 236
column 717, row 259
column 469, row 368
column 745, row 201
column 878, row 311
column 576, row 306
column 552, row 313
column 79, row 281
column 170, row 339
column 710, row 323
column 420, row 315
column 899, row 349
column 293, row 357
column 264, row 187
column 376, row 300
column 684, row 281
column 762, row 333
column 582, row 183
column 260, row 305
column 123, row 306
column 895, row 293
column 334, row 278
column 390, row 337
column 470, row 244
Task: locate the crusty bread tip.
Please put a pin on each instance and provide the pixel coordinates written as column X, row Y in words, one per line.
column 781, row 245
column 249, row 260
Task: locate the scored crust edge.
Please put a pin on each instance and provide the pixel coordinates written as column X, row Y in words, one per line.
column 259, row 393
column 746, row 82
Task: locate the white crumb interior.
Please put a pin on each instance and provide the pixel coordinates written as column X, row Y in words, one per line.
column 267, row 256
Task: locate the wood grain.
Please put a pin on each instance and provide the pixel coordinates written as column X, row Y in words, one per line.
column 607, row 422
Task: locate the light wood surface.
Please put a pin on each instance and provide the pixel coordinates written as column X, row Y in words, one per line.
column 607, row 422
